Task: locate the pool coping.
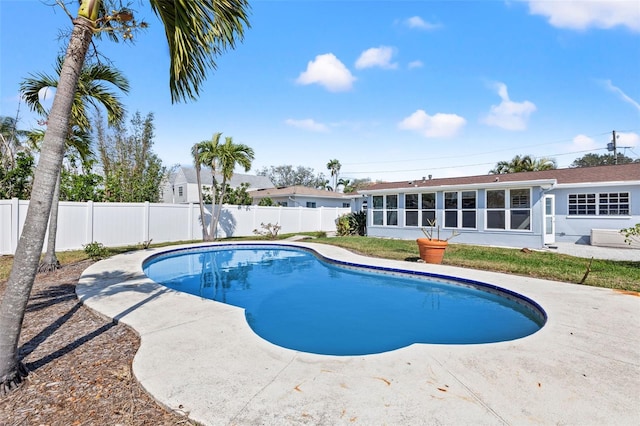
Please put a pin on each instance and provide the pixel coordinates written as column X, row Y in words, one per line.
column 200, row 357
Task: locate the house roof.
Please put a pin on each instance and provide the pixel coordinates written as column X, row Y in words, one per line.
column 289, row 191
column 580, row 175
column 255, row 182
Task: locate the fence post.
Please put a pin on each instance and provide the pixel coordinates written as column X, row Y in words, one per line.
column 190, row 222
column 89, row 231
column 15, row 224
column 255, row 214
column 145, row 222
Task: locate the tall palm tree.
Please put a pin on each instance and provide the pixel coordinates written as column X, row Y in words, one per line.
column 345, row 184
column 197, row 32
column 230, row 155
column 525, row 163
column 195, row 152
column 208, row 155
column 9, row 141
column 334, row 166
column 94, row 89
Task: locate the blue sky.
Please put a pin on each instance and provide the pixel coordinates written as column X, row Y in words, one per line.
column 394, row 90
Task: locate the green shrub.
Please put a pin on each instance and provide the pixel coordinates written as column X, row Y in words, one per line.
column 95, row 250
column 268, row 230
column 343, row 225
column 631, row 234
column 354, row 223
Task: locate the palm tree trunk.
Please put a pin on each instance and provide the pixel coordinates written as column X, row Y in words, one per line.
column 27, row 255
column 50, row 261
column 212, row 229
column 217, row 216
column 205, row 235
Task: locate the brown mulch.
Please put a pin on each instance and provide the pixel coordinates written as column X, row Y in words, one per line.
column 79, row 363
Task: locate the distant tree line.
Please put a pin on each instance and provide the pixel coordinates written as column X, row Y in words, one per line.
column 528, row 163
column 125, row 168
column 288, row 175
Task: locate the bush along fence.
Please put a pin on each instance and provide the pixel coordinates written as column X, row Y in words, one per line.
column 122, row 224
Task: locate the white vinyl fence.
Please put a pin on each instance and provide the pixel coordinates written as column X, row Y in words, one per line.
column 121, row 224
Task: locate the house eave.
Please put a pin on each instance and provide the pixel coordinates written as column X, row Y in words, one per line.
column 544, row 183
column 597, row 184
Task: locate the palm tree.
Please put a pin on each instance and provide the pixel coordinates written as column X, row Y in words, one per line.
column 334, row 166
column 230, row 155
column 195, row 152
column 93, row 90
column 524, row 163
column 207, row 153
column 197, row 32
column 9, row 141
column 344, row 183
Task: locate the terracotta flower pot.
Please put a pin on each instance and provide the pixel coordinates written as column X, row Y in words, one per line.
column 431, row 251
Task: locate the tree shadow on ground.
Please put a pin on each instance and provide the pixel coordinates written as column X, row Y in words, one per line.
column 51, row 296
column 56, row 294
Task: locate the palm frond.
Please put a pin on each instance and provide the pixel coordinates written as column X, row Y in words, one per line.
column 197, row 32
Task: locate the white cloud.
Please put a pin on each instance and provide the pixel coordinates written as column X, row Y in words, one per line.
column 584, row 143
column 46, row 94
column 509, row 115
column 620, row 93
column 307, row 124
column 417, row 22
column 630, row 139
column 433, row 126
column 377, row 57
column 415, row 64
column 327, row 70
column 581, row 15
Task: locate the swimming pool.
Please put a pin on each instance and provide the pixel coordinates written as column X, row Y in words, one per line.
column 295, row 299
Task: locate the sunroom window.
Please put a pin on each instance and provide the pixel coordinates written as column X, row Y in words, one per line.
column 385, row 210
column 514, row 214
column 460, row 209
column 420, row 209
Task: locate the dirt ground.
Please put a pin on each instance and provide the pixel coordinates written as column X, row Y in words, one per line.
column 79, row 363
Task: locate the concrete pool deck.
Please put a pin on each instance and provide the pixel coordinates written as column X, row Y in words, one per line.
column 200, row 357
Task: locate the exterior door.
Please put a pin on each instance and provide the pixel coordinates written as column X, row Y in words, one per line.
column 549, row 219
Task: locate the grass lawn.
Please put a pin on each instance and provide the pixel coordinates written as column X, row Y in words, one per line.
column 620, row 275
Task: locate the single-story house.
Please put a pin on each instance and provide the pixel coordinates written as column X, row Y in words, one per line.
column 303, row 196
column 529, row 209
column 182, row 185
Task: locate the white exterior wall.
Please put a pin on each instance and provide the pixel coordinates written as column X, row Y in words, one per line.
column 570, row 229
column 578, row 228
column 121, row 224
column 302, row 200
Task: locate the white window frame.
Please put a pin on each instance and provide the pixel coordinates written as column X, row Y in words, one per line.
column 508, row 210
column 415, row 210
column 460, row 210
column 384, row 210
column 422, row 210
column 595, row 203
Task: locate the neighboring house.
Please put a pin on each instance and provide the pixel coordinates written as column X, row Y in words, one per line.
column 182, row 185
column 528, row 209
column 303, row 196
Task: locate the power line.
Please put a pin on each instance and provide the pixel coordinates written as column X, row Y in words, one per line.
column 345, row 173
column 470, row 155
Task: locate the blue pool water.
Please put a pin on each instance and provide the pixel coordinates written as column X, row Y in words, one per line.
column 297, row 300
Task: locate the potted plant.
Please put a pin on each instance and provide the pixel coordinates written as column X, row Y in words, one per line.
column 432, row 249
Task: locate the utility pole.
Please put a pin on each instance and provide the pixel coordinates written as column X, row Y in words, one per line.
column 613, row 147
